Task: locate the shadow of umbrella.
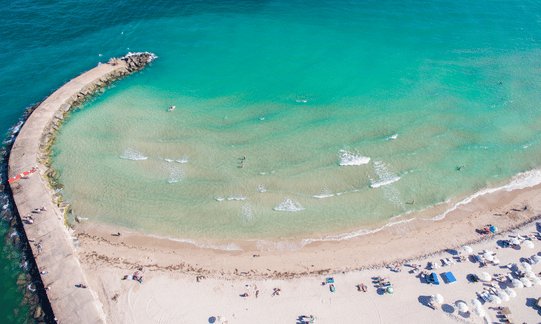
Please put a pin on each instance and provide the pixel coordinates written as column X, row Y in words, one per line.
column 447, row 308
column 425, row 300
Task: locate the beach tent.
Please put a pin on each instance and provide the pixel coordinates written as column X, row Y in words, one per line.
column 536, row 259
column 511, row 292
column 495, row 299
column 479, row 311
column 527, row 283
column 503, row 295
column 517, row 283
column 449, row 277
column 526, row 266
column 467, row 249
column 437, row 298
column 529, row 244
column 462, row 306
column 529, row 273
column 485, row 276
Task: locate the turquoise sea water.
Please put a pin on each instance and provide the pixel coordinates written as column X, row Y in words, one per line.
column 297, row 87
column 346, row 114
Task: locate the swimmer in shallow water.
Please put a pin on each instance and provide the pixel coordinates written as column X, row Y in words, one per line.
column 171, row 108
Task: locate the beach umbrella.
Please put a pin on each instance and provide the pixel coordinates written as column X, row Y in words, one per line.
column 496, row 261
column 511, row 292
column 536, row 259
column 514, row 240
column 390, row 290
column 485, row 276
column 488, row 256
column 493, row 229
column 495, row 299
column 517, row 283
column 479, row 311
column 529, row 244
column 530, row 274
column 526, row 266
column 467, row 249
column 527, row 283
column 437, row 298
column 476, row 303
column 462, row 307
column 503, row 295
column 536, row 281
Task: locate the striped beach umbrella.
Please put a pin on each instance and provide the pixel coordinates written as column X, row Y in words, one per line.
column 517, row 283
column 503, row 295
column 511, row 292
column 462, row 307
column 527, row 283
column 485, row 276
column 479, row 311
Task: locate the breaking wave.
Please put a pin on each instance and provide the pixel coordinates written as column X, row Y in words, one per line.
column 348, row 159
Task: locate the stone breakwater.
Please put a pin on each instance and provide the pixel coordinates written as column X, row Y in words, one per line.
column 38, row 199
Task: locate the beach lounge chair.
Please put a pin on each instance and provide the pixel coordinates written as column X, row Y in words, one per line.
column 330, row 280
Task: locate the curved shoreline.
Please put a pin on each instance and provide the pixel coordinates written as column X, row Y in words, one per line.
column 53, row 247
column 65, row 256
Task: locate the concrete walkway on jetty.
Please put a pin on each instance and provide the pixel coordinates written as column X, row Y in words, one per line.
column 52, row 245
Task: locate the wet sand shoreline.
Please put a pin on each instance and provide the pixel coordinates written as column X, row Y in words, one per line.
column 394, row 244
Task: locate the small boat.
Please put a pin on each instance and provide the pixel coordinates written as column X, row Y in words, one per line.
column 171, row 108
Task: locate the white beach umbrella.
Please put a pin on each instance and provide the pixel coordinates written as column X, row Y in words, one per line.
column 527, row 283
column 462, row 307
column 495, row 299
column 437, row 298
column 496, row 261
column 479, row 311
column 526, row 266
column 537, row 281
column 488, row 256
column 517, row 283
column 529, row 244
column 536, row 259
column 530, row 274
column 221, row 318
column 476, row 303
column 485, row 276
column 467, row 249
column 503, row 295
column 511, row 292
column 514, row 240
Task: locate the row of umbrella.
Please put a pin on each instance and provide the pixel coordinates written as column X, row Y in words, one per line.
column 513, row 240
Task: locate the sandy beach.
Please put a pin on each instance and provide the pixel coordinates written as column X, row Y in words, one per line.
column 171, row 291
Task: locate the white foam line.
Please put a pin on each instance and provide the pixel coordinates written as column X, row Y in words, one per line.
column 520, row 181
column 265, row 246
column 224, row 247
column 384, row 183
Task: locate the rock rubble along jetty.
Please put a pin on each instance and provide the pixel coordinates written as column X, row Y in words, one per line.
column 36, row 194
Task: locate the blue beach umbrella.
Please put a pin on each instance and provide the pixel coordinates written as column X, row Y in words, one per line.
column 493, row 229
